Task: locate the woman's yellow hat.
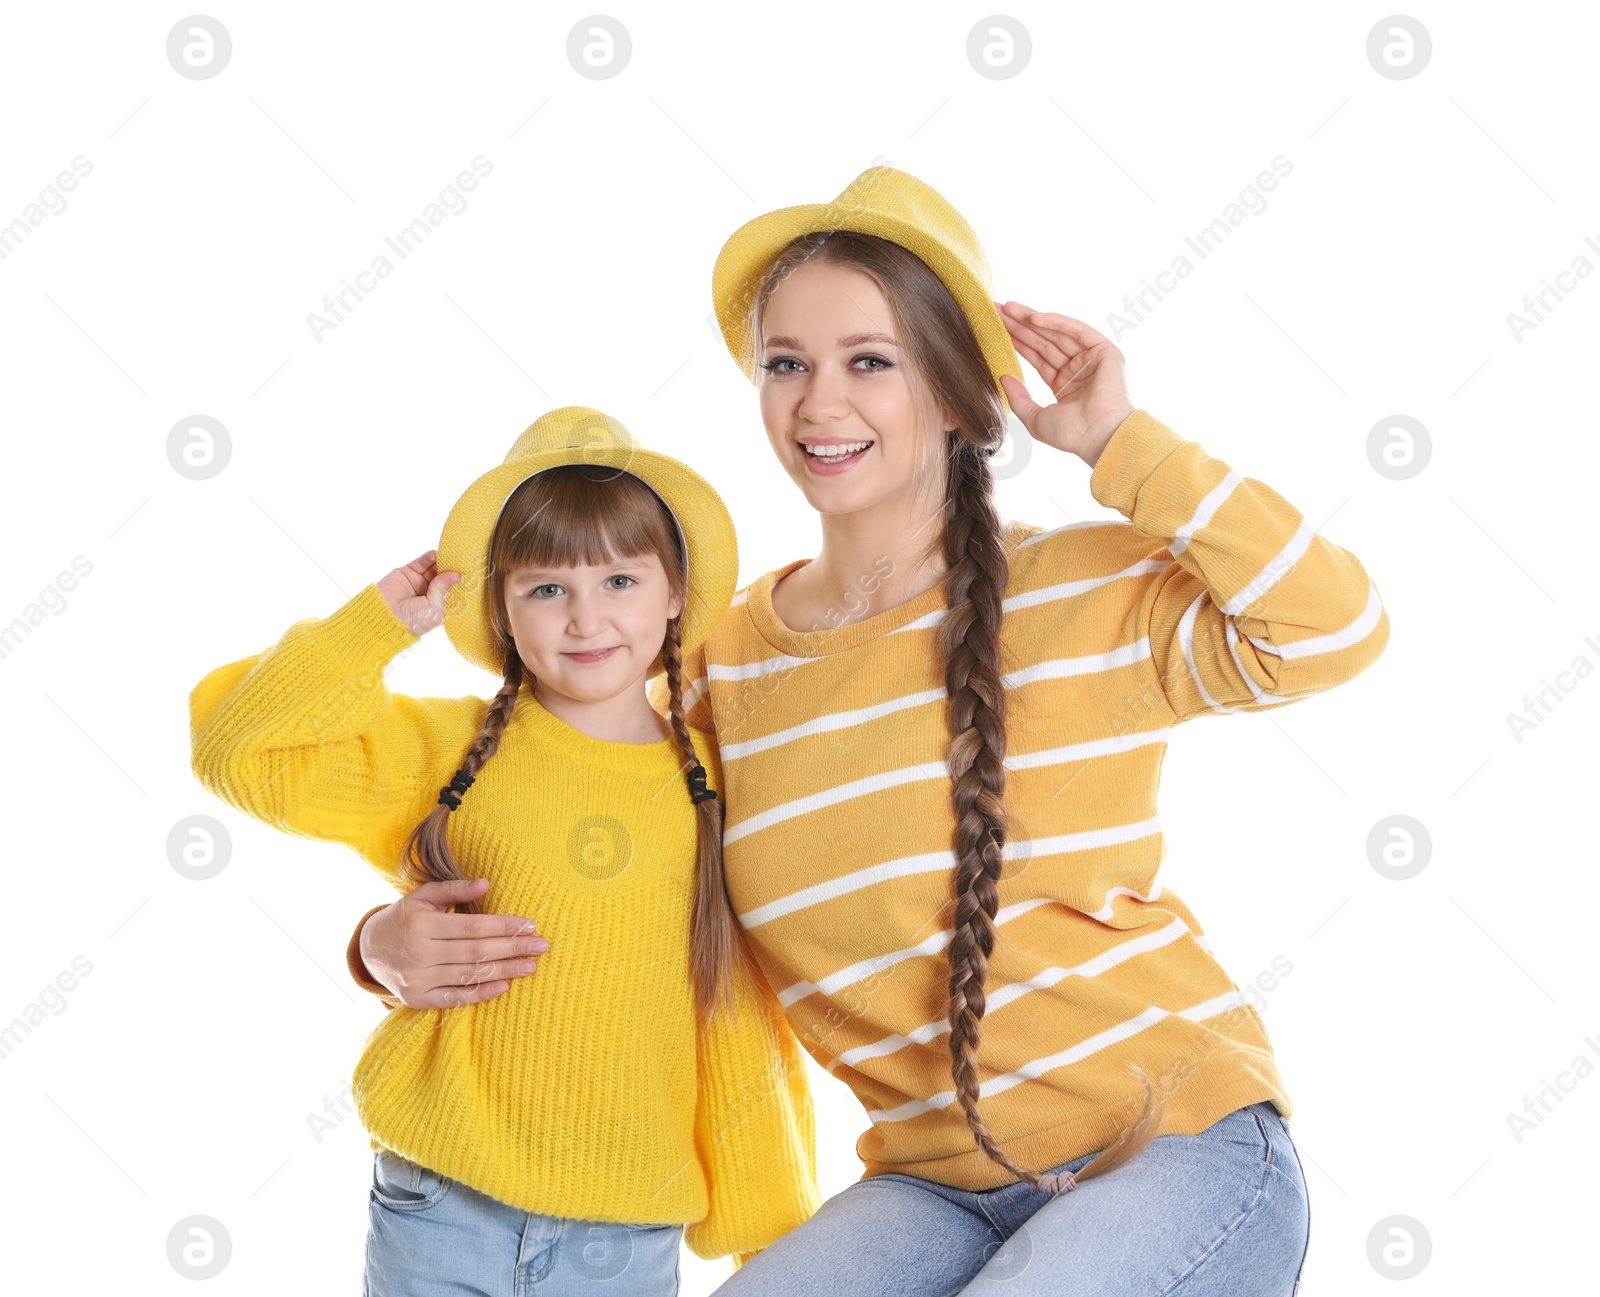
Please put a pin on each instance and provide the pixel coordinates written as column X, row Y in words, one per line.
column 578, row 434
column 892, row 205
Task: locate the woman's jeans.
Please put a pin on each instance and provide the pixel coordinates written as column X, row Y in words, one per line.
column 1218, row 1214
column 428, row 1236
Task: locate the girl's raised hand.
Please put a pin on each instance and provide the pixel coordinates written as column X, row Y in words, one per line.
column 416, row 592
column 1084, row 369
column 432, row 959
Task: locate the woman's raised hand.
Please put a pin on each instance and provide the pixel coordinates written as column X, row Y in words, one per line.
column 1085, row 372
column 416, row 592
column 432, row 959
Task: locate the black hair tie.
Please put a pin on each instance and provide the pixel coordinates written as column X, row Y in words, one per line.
column 450, row 794
column 698, row 791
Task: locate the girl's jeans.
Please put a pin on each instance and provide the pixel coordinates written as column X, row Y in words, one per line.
column 428, row 1236
column 1218, row 1214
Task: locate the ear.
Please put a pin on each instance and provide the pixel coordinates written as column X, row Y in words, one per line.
column 675, row 605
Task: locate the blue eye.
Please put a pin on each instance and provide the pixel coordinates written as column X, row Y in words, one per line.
column 552, row 585
column 771, row 366
column 882, row 363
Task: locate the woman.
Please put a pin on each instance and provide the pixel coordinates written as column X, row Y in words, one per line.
column 941, row 837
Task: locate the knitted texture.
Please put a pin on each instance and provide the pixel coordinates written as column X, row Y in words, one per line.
column 1214, row 597
column 582, row 1091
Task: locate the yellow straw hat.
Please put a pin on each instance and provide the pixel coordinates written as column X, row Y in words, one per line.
column 577, row 434
column 892, row 205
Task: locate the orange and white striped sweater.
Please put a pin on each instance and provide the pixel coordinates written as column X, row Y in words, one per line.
column 1215, row 596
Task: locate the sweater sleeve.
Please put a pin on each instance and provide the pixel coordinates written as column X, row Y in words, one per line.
column 755, row 1128
column 1256, row 609
column 307, row 737
column 358, row 967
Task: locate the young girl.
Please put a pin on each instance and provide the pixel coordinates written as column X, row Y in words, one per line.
column 942, row 741
column 567, row 1132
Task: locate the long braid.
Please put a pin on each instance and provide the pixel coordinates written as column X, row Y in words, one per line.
column 427, row 856
column 717, row 953
column 969, row 636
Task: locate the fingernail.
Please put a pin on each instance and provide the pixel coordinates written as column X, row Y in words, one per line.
column 537, row 945
column 527, row 927
column 526, row 966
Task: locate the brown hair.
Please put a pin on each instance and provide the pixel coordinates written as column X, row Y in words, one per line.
column 585, row 513
column 949, row 367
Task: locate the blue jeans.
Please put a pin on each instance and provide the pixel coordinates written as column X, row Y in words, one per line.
column 1218, row 1214
column 428, row 1236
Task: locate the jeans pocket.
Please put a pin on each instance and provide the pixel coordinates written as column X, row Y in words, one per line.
column 403, row 1185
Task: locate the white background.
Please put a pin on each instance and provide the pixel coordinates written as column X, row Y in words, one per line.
column 180, row 1074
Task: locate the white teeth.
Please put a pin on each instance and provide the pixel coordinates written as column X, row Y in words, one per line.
column 837, row 452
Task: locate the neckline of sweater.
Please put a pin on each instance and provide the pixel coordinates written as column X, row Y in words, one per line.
column 534, row 717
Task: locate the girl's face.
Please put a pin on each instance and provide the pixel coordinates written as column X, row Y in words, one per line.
column 590, row 632
column 836, row 379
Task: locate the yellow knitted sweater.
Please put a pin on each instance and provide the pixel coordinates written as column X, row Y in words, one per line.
column 583, row 1091
column 1214, row 597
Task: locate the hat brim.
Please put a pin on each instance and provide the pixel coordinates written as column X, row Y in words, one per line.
column 704, row 526
column 751, row 248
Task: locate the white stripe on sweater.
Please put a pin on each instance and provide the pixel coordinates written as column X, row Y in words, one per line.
column 1043, row 980
column 832, row 721
column 1358, row 629
column 1204, row 512
column 1278, row 567
column 865, row 968
column 876, row 783
column 1083, row 1049
column 1047, row 594
column 928, row 862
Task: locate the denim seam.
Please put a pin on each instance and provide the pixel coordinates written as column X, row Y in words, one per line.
column 1305, row 1193
column 1237, row 1225
column 995, row 1221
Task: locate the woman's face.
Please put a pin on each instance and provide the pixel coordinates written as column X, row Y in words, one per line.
column 560, row 614
column 836, row 377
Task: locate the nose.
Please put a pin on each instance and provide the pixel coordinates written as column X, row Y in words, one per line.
column 822, row 396
column 585, row 616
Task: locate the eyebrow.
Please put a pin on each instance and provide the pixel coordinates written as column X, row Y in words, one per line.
column 850, row 340
column 524, row 573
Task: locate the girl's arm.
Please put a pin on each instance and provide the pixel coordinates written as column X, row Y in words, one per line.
column 755, row 1129
column 754, row 1123
column 307, row 737
column 1258, row 609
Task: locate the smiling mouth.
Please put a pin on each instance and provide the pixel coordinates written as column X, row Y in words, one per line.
column 836, row 454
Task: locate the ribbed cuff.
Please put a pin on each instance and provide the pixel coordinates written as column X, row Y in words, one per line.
column 364, row 635
column 1136, row 449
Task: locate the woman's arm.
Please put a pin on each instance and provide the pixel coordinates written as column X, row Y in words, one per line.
column 1257, row 609
column 413, row 951
column 1254, row 609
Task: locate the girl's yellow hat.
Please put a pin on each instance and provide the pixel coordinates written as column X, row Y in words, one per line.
column 892, row 205
column 578, row 434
